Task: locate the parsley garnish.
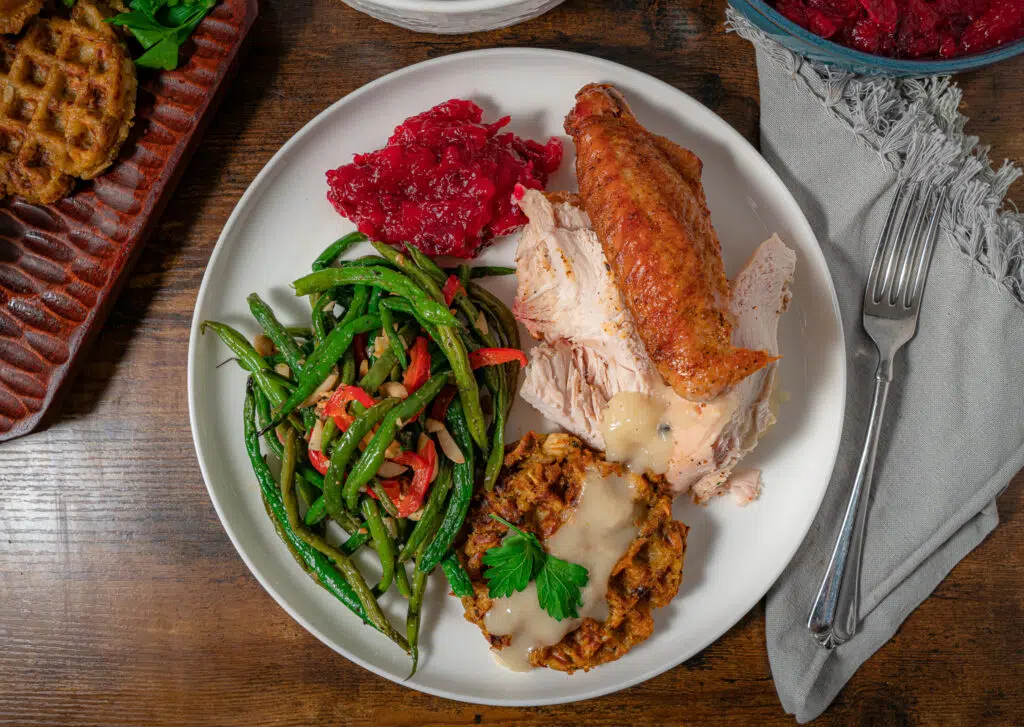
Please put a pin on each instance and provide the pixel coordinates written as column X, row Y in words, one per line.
column 161, row 26
column 521, row 558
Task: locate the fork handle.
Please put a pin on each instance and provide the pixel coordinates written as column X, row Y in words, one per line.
column 833, row 618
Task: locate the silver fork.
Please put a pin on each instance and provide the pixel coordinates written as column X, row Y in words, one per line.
column 892, row 302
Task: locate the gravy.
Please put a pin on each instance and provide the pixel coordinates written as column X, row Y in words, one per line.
column 655, row 432
column 596, row 537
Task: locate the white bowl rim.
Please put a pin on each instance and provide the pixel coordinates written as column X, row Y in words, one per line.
column 445, row 7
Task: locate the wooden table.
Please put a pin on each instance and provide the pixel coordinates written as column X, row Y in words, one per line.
column 123, row 602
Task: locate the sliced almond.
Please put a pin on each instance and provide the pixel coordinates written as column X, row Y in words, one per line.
column 449, row 447
column 416, row 515
column 481, row 323
column 325, row 386
column 282, row 368
column 395, row 389
column 263, row 345
column 316, row 436
column 390, row 469
column 432, row 425
column 364, row 366
column 394, row 450
column 380, row 344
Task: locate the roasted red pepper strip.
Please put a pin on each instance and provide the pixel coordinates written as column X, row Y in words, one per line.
column 422, row 464
column 452, row 286
column 439, row 407
column 337, row 405
column 495, row 357
column 319, row 460
column 419, row 366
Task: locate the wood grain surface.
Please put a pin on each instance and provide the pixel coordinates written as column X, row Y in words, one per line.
column 122, row 601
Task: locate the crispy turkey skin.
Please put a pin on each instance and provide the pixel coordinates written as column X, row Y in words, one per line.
column 644, row 196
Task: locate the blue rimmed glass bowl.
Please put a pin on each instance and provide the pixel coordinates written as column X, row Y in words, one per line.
column 806, row 43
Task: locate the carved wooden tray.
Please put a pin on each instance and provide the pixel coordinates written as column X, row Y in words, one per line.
column 61, row 265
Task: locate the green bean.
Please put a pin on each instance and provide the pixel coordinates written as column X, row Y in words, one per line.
column 374, row 301
column 336, row 249
column 327, row 436
column 307, row 473
column 299, row 331
column 402, row 581
column 458, row 579
column 448, row 340
column 251, row 361
column 343, row 452
column 348, row 368
column 393, row 282
column 381, row 538
column 458, row 503
column 412, row 618
column 469, row 391
column 276, row 332
column 407, row 266
column 356, row 308
column 430, row 518
column 342, row 561
column 426, row 264
column 323, row 321
column 284, row 539
column 385, row 501
column 391, row 333
column 484, row 271
column 373, row 456
column 316, row 512
column 498, row 311
column 368, row 261
column 307, row 492
column 377, row 374
column 355, row 541
column 496, row 457
column 287, row 384
column 319, row 567
column 401, row 305
column 319, row 365
column 463, row 272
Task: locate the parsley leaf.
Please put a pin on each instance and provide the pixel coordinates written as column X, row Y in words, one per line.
column 161, row 26
column 558, row 588
column 521, row 558
column 514, row 563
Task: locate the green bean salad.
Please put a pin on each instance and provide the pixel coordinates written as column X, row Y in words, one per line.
column 386, row 414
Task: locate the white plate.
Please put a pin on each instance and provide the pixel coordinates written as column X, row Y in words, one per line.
column 283, row 221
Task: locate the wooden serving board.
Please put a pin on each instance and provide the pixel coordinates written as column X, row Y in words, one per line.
column 61, row 265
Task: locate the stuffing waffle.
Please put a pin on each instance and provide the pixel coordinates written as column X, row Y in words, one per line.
column 15, row 13
column 538, row 490
column 67, row 99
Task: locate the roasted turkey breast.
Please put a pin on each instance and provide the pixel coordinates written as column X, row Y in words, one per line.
column 644, row 197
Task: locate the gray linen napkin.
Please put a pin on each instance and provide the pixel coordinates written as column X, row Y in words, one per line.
column 954, row 431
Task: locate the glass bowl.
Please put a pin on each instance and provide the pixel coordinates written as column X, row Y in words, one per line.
column 806, row 43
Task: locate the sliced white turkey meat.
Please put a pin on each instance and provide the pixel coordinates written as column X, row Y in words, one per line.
column 591, row 374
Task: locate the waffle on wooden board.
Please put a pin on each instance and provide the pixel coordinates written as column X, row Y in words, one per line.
column 67, row 100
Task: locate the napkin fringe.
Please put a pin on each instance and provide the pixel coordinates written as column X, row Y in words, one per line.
column 916, row 128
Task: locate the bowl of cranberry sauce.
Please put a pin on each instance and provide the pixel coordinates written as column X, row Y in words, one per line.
column 894, row 37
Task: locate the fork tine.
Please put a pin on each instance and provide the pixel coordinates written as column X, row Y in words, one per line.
column 894, row 246
column 870, row 290
column 910, row 244
column 912, row 298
